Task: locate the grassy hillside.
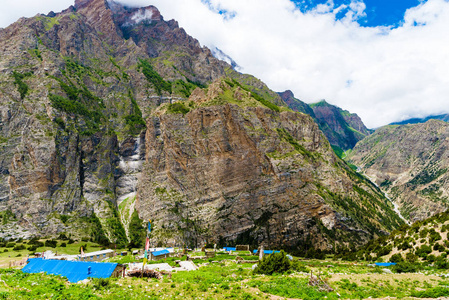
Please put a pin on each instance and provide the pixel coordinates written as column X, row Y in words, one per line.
column 423, row 244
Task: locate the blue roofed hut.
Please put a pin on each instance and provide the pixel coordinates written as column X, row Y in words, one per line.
column 74, row 270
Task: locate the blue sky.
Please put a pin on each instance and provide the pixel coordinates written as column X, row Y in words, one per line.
column 384, row 60
column 378, row 12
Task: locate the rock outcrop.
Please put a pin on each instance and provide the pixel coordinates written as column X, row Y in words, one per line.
column 105, row 110
column 241, row 172
column 409, row 162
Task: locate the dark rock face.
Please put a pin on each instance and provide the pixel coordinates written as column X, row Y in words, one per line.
column 341, row 128
column 409, row 162
column 104, row 110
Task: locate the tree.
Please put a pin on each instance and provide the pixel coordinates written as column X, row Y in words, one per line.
column 136, row 231
column 273, row 263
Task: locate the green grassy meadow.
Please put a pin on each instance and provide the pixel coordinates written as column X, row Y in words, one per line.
column 222, row 277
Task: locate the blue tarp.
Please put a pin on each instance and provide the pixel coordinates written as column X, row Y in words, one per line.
column 160, row 252
column 267, row 251
column 73, row 270
column 385, row 264
column 229, row 248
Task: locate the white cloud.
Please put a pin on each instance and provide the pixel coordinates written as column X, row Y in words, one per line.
column 383, row 74
column 142, row 15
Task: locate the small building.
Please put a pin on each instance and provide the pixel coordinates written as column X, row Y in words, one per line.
column 74, row 270
column 161, row 254
column 97, row 256
column 242, row 248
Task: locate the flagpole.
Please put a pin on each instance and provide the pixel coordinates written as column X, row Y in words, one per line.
column 147, row 246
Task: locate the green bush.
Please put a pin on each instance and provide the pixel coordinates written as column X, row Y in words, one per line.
column 100, row 283
column 396, row 258
column 19, row 247
column 434, row 236
column 273, row 263
column 10, row 245
column 439, row 247
column 411, row 257
column 406, row 267
column 32, row 248
column 178, row 108
column 423, row 251
column 63, row 245
column 22, row 87
column 441, row 263
column 384, row 250
column 51, row 243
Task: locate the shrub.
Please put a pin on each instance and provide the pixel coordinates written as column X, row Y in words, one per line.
column 22, row 87
column 431, row 258
column 439, row 247
column 441, row 263
column 273, row 263
column 100, row 283
column 423, row 251
column 63, row 245
column 178, row 108
column 411, row 257
column 406, row 267
column 10, row 245
column 32, row 248
column 434, row 236
column 51, row 243
column 384, row 250
column 404, row 246
column 62, row 236
column 19, row 247
column 396, row 258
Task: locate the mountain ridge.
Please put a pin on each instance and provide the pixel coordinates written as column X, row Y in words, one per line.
column 100, row 121
column 342, row 128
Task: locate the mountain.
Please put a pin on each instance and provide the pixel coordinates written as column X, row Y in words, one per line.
column 444, row 117
column 409, row 162
column 342, row 129
column 110, row 114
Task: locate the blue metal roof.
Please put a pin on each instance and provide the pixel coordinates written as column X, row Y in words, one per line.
column 160, row 252
column 229, row 248
column 267, row 251
column 73, row 270
column 385, row 264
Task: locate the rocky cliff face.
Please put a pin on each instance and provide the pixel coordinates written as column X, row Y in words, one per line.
column 410, row 163
column 231, row 169
column 342, row 129
column 105, row 110
column 73, row 101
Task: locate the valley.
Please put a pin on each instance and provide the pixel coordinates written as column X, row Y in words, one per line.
column 112, row 117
